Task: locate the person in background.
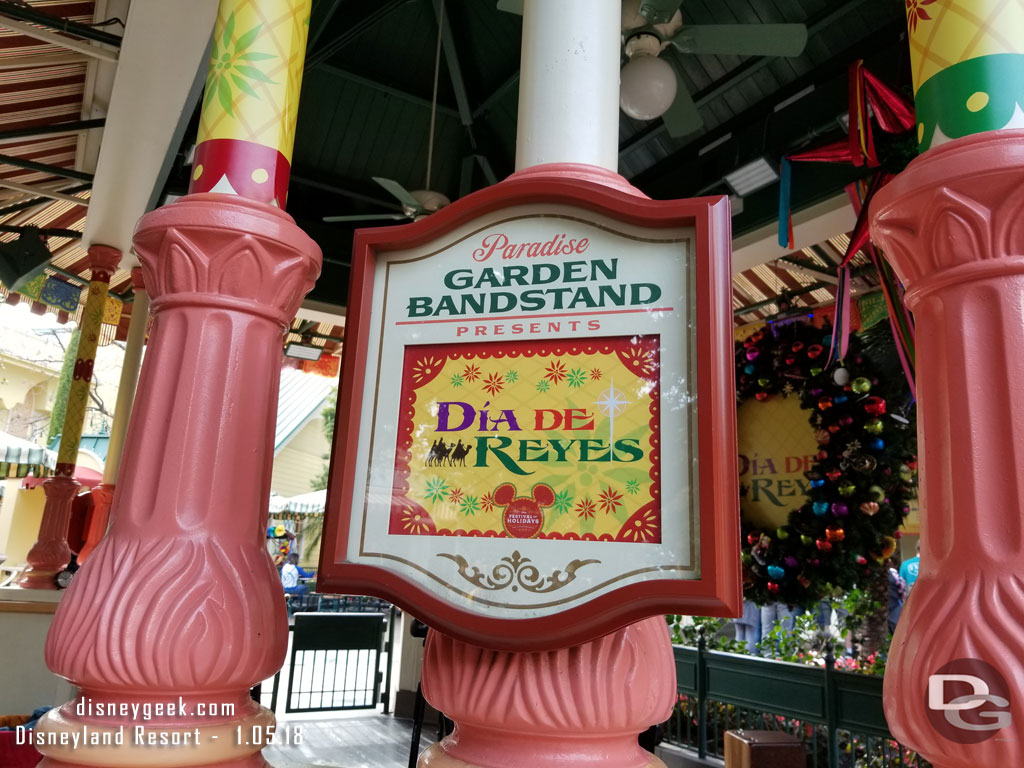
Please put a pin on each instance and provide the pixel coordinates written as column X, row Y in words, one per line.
column 748, row 626
column 910, row 567
column 897, row 594
column 290, row 573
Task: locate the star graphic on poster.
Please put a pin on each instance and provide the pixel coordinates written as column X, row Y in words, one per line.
column 612, row 402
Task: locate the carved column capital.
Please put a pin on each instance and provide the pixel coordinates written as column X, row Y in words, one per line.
column 103, row 261
column 222, row 250
column 956, row 214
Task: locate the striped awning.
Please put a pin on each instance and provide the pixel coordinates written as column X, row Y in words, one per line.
column 17, row 450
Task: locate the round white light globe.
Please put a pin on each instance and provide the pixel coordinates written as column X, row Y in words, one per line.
column 647, row 87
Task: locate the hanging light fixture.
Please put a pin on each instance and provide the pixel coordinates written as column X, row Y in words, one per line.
column 647, row 84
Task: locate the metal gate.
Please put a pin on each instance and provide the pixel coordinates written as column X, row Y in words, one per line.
column 335, row 661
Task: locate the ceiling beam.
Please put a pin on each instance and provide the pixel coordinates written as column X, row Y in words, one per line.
column 451, row 56
column 389, row 90
column 799, row 292
column 497, row 95
column 42, row 60
column 74, row 126
column 72, row 233
column 23, row 12
column 36, row 200
column 53, row 170
column 43, row 192
column 321, row 55
column 79, row 46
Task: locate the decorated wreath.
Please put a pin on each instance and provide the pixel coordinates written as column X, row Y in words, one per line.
column 864, row 472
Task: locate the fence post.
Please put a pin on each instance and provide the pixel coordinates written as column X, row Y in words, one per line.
column 702, row 696
column 831, row 716
column 390, row 649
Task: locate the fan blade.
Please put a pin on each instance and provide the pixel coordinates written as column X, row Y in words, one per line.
column 743, row 39
column 367, row 217
column 511, row 6
column 401, row 193
column 682, row 117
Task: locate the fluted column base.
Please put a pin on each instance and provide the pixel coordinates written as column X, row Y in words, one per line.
column 579, row 706
column 141, row 745
column 51, row 553
column 102, row 498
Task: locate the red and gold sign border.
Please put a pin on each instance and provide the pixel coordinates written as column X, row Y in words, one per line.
column 642, row 527
column 718, row 591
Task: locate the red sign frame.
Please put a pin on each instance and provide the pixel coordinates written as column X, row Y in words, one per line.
column 718, row 590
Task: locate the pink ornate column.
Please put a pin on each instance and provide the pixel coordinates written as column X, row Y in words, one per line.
column 576, row 706
column 953, row 226
column 181, row 599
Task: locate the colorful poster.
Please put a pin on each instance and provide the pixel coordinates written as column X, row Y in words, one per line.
column 556, row 440
column 776, row 447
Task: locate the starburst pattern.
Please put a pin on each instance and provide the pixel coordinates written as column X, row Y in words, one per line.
column 555, row 372
column 512, row 377
column 457, row 380
column 595, row 374
column 487, row 502
column 425, row 368
column 543, row 385
column 586, row 509
column 610, row 500
column 414, row 522
column 642, row 528
column 563, row 502
column 633, row 487
column 576, row 378
column 436, row 489
column 471, row 372
column 470, row 505
column 455, row 496
column 231, row 62
column 494, row 384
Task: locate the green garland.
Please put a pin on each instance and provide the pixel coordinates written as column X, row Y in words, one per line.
column 862, row 479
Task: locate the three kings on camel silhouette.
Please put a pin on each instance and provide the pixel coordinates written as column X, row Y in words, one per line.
column 442, row 454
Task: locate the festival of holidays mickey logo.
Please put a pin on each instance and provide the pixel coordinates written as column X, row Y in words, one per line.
column 838, row 514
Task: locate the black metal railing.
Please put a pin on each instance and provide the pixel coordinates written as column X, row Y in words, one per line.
column 338, row 660
column 837, row 715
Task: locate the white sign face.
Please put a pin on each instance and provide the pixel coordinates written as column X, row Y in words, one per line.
column 528, row 423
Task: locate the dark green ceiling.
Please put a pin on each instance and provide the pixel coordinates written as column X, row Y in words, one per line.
column 366, row 98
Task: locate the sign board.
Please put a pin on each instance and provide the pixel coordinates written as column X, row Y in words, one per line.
column 535, row 438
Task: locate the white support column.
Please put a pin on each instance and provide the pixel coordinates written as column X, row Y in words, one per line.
column 129, row 377
column 569, row 83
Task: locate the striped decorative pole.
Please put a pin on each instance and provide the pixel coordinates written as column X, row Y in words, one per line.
column 247, row 126
column 51, row 552
column 952, row 225
column 967, row 58
column 180, row 600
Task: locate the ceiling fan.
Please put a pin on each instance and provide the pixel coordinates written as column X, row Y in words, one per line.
column 415, row 204
column 652, row 87
column 419, row 202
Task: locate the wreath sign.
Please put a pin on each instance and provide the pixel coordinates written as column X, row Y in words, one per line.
column 860, row 483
